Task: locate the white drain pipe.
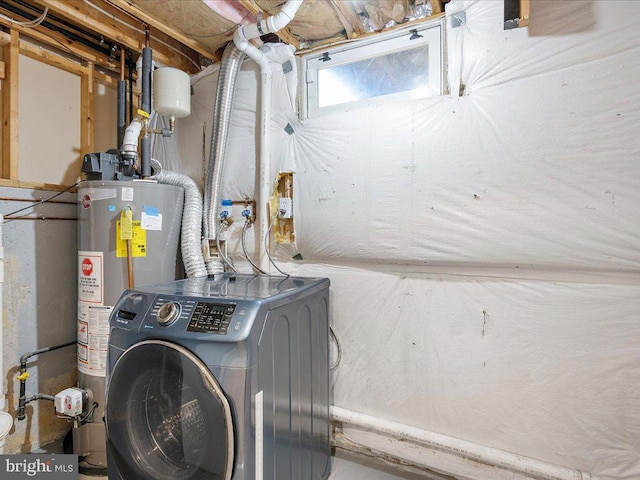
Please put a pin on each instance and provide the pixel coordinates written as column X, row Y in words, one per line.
column 444, row 448
column 241, row 39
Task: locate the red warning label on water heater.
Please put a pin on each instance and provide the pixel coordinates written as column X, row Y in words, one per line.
column 87, row 267
column 90, row 282
column 86, row 201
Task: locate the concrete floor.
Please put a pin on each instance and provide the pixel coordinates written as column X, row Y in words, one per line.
column 344, row 468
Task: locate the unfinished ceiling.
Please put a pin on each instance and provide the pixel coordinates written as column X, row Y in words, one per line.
column 212, row 22
column 188, row 34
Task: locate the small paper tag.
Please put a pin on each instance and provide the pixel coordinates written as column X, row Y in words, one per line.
column 151, row 222
column 126, row 224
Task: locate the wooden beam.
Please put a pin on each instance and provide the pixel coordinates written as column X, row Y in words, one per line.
column 118, row 27
column 33, row 185
column 50, row 58
column 59, row 41
column 525, row 13
column 436, row 7
column 283, row 34
column 3, row 70
column 5, row 38
column 104, row 79
column 87, row 109
column 171, row 32
column 10, row 108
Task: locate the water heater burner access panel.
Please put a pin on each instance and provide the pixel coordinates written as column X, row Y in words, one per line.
column 211, row 318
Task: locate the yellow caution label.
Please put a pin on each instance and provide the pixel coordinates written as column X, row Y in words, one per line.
column 138, row 240
column 126, row 224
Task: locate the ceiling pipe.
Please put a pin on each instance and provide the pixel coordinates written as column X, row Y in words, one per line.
column 241, row 39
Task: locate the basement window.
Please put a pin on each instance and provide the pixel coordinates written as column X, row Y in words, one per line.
column 402, row 65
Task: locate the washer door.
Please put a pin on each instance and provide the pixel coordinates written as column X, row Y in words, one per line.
column 167, row 417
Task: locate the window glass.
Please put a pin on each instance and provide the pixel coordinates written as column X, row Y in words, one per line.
column 403, row 64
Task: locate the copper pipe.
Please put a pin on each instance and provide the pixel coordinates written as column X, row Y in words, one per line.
column 35, row 202
column 130, row 264
column 122, row 64
column 43, row 218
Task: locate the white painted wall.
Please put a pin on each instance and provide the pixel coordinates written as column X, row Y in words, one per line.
column 483, row 249
column 49, row 124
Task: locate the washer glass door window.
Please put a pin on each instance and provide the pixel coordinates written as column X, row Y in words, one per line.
column 167, row 417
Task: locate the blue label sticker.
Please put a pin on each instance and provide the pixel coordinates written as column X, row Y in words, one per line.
column 112, row 208
column 151, row 211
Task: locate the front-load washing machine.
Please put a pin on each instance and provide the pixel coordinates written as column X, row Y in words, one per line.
column 220, row 377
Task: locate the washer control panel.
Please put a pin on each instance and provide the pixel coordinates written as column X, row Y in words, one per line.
column 211, row 318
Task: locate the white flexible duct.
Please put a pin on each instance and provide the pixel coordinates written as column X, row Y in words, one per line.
column 529, row 467
column 241, row 39
column 191, row 218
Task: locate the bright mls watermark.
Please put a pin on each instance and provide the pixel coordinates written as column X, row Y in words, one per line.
column 39, row 467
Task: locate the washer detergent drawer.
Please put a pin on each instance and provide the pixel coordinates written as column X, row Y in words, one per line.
column 167, row 417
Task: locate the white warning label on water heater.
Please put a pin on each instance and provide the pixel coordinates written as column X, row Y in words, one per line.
column 90, row 281
column 93, row 338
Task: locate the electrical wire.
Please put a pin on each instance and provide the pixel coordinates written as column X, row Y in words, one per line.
column 31, row 23
column 338, row 349
column 35, row 204
column 266, row 245
column 221, row 228
column 90, row 412
column 244, row 248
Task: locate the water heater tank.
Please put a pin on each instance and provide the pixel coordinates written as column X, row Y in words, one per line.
column 103, row 275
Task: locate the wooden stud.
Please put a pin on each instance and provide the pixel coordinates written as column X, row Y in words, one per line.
column 50, row 58
column 87, row 108
column 105, row 79
column 436, row 7
column 3, row 70
column 33, row 185
column 10, row 108
column 5, row 38
column 525, row 13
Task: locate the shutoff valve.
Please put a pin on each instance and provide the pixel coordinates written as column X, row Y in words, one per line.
column 71, row 402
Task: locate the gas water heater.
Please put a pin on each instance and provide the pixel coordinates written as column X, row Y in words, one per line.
column 107, row 266
column 128, row 233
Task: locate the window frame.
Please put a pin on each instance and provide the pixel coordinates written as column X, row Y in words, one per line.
column 431, row 32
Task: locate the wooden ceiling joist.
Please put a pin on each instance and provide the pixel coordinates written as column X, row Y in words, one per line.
column 189, row 42
column 57, row 40
column 120, row 28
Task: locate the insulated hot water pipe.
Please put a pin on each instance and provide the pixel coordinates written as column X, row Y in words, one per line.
column 241, row 39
